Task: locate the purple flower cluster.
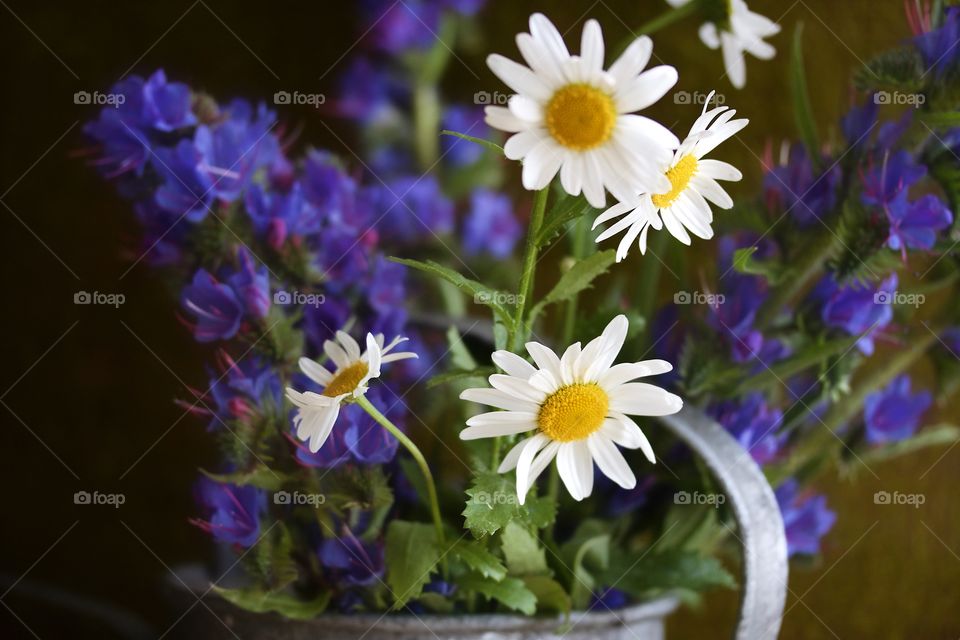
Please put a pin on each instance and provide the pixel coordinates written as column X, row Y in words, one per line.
column 806, row 518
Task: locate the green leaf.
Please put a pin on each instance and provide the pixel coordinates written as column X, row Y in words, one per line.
column 460, row 375
column 655, row 573
column 564, row 211
column 412, row 555
column 260, row 476
column 942, row 119
column 486, row 143
column 933, row 436
column 743, row 262
column 460, row 356
column 802, row 111
column 510, row 592
column 522, row 551
column 481, row 293
column 476, row 556
column 550, row 593
column 592, row 557
column 274, row 559
column 576, row 279
column 259, row 601
column 493, row 503
column 810, row 355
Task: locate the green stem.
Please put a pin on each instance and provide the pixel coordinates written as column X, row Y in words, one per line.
column 578, row 249
column 426, row 111
column 649, row 278
column 529, row 265
column 421, row 462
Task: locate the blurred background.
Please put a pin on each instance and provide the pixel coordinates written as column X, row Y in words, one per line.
column 87, row 391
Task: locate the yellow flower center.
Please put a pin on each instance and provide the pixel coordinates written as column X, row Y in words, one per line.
column 346, row 380
column 573, row 412
column 679, row 176
column 580, row 117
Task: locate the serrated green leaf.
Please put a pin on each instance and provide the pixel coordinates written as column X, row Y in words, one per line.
column 564, row 211
column 482, row 294
column 580, row 276
column 260, row 476
column 493, row 503
column 476, row 556
column 802, row 111
column 259, row 601
column 522, row 551
column 412, row 554
column 550, row 593
column 510, row 592
column 274, row 560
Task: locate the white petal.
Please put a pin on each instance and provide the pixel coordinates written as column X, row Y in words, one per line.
column 513, row 364
column 517, row 387
column 545, row 358
column 632, row 61
column 719, row 170
column 733, row 60
column 642, row 399
column 549, row 38
column 533, row 446
column 503, row 119
column 518, row 77
column 618, row 374
column 498, row 423
column 513, row 456
column 646, row 89
column 611, row 461
column 625, row 432
column 674, row 227
column 525, row 108
column 591, row 47
column 498, row 399
column 567, row 466
column 337, row 354
column 544, row 458
column 349, row 345
column 712, row 191
column 315, row 371
column 373, row 358
column 521, row 144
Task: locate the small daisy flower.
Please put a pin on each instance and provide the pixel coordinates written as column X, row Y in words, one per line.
column 572, row 117
column 354, row 370
column 743, row 32
column 693, row 181
column 576, row 407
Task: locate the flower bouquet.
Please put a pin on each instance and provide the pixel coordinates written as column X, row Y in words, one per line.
column 390, row 449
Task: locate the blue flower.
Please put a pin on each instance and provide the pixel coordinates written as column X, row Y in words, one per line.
column 187, row 189
column 859, row 309
column 396, row 27
column 491, row 226
column 410, row 208
column 753, row 424
column 277, row 215
column 467, row 8
column 915, row 225
column 216, row 309
column 331, row 191
column 232, row 512
column 352, row 561
column 367, row 441
column 166, row 105
column 371, row 94
column 245, row 388
column 860, row 121
column 468, row 120
column 794, row 187
column 938, row 47
column 251, row 284
column 609, row 598
column 806, row 519
column 893, row 413
column 896, row 174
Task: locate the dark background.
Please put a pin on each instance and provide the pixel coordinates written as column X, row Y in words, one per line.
column 87, row 390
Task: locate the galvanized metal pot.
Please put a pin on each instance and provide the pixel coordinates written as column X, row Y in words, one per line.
column 764, row 583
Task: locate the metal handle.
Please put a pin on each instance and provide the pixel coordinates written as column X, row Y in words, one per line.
column 758, row 516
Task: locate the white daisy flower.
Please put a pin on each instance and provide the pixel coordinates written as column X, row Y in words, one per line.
column 571, row 116
column 354, row 370
column 743, row 32
column 693, row 181
column 577, row 405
